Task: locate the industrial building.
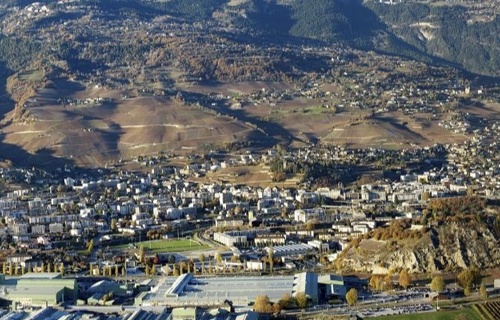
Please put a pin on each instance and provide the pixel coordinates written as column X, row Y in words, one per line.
column 337, row 286
column 39, row 289
column 291, row 250
column 306, row 282
column 188, row 290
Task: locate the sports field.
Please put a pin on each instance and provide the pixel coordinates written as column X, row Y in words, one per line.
column 174, row 245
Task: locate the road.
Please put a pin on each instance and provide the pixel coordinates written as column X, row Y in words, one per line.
column 114, row 309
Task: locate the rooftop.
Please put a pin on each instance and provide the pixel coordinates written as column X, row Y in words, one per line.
column 41, row 275
column 200, row 291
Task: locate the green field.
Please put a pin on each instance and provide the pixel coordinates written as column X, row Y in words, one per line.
column 465, row 314
column 34, row 75
column 159, row 246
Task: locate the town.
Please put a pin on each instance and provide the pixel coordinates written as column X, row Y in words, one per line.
column 164, row 160
column 165, row 236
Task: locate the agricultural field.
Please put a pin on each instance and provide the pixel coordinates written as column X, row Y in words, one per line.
column 159, row 246
column 465, row 314
column 34, row 75
column 94, row 134
column 488, row 310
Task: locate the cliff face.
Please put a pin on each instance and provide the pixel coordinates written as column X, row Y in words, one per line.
column 451, row 247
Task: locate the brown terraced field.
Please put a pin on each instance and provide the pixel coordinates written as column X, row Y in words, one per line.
column 122, row 128
column 127, row 125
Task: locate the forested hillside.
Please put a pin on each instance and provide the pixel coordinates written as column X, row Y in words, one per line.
column 447, row 32
column 456, row 34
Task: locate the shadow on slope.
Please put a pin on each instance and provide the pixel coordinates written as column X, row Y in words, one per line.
column 20, row 157
column 272, row 133
column 6, row 104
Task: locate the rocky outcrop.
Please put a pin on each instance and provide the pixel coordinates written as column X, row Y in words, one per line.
column 450, row 247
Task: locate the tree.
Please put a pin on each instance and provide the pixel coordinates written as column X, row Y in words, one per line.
column 375, row 282
column 141, row 254
column 387, row 283
column 277, row 307
column 482, row 292
column 271, row 257
column 287, row 301
column 404, row 279
column 468, row 277
column 262, row 304
column 201, row 257
column 218, row 257
column 302, row 300
column 175, row 272
column 426, row 195
column 90, row 246
column 352, row 297
column 61, row 188
column 467, row 291
column 437, row 284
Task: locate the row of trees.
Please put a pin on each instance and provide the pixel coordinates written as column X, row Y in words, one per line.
column 467, row 279
column 287, row 301
column 299, row 301
column 14, row 269
column 457, row 205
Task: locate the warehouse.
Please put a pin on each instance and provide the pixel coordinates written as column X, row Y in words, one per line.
column 291, row 250
column 40, row 289
column 336, row 286
column 306, row 282
column 197, row 291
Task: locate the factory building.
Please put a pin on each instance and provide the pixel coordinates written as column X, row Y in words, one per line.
column 39, row 289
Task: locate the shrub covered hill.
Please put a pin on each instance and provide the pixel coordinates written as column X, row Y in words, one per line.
column 453, row 234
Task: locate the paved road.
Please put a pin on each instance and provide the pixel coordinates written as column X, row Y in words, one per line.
column 113, row 309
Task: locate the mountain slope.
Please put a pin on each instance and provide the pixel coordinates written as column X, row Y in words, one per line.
column 452, row 33
column 446, row 34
